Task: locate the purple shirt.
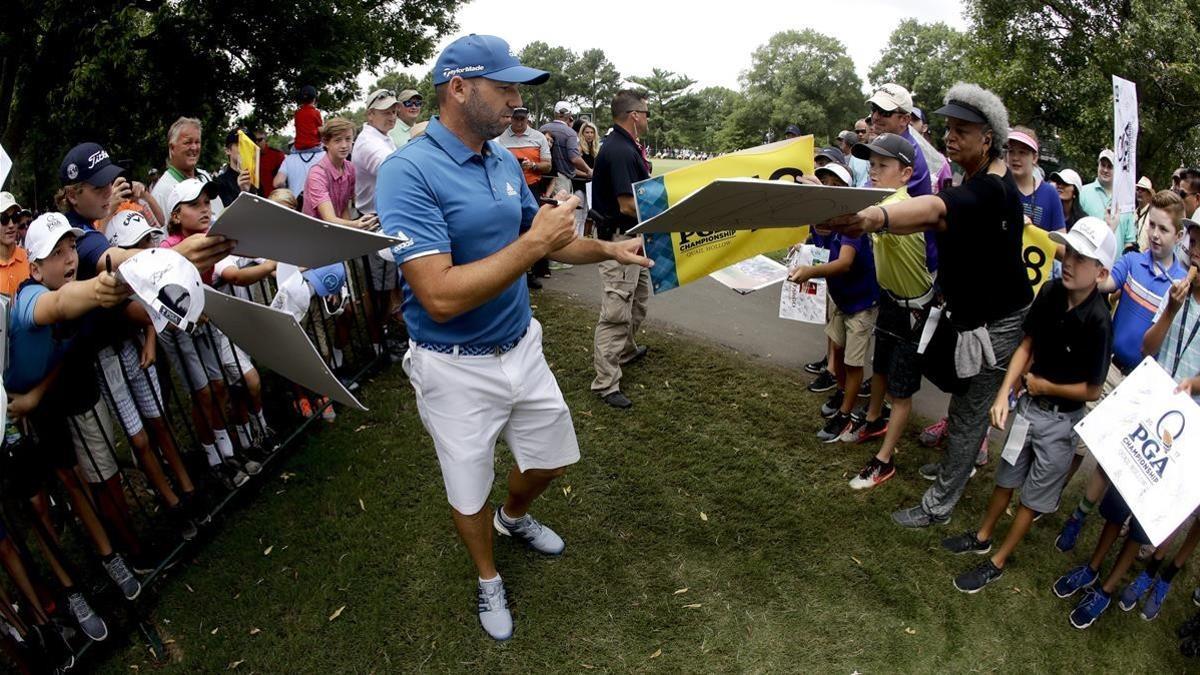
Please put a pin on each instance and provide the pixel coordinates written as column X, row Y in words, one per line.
column 327, row 185
column 919, row 184
column 856, row 289
column 1044, row 208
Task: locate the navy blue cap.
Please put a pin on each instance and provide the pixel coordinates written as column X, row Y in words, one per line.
column 88, row 162
column 483, row 56
column 792, row 129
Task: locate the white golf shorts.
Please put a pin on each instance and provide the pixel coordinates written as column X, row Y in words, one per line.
column 466, row 402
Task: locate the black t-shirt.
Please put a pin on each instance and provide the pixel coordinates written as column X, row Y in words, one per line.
column 979, row 253
column 619, row 165
column 227, row 185
column 1069, row 345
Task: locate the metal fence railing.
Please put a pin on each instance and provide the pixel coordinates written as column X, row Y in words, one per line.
column 96, row 504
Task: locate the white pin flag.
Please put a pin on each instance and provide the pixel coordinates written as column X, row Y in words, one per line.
column 1125, row 133
column 5, row 165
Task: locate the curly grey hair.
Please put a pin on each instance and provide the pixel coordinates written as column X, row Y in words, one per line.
column 988, row 103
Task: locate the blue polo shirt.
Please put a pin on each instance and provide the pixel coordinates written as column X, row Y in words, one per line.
column 442, row 197
column 857, row 288
column 34, row 349
column 1143, row 284
column 90, row 246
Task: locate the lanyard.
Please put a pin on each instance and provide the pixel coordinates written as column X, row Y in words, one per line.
column 1180, row 346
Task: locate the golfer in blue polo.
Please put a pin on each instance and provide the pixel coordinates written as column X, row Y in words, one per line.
column 471, row 229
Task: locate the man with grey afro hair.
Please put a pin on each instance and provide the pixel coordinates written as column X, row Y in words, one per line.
column 978, row 226
column 972, row 103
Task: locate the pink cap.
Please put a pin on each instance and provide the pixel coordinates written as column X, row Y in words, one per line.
column 1023, row 139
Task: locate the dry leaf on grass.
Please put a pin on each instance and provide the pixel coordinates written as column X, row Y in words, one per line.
column 337, row 613
column 237, row 663
column 694, row 605
column 361, row 505
column 214, row 631
column 910, row 631
column 856, row 560
column 361, row 427
column 190, row 589
column 269, row 549
column 255, row 631
column 704, row 516
column 682, row 590
column 657, row 653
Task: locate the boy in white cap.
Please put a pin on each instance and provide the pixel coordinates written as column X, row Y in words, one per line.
column 1096, row 199
column 44, row 329
column 1062, row 362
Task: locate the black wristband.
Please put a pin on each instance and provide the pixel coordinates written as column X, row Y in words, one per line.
column 884, row 227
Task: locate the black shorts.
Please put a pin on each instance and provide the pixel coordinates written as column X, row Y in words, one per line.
column 30, row 463
column 1114, row 509
column 896, row 356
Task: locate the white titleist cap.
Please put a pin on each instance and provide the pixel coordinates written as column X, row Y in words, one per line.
column 168, row 285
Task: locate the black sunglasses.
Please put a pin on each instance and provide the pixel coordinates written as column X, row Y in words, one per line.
column 881, row 112
column 1184, row 194
column 644, row 112
column 412, row 103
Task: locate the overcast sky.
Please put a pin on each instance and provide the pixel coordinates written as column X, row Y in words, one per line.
column 712, row 47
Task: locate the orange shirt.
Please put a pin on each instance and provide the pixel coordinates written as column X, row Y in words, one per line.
column 14, row 271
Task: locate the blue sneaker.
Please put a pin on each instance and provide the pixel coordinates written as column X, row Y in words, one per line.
column 1134, row 591
column 1154, row 602
column 1090, row 608
column 530, row 532
column 1070, row 532
column 1075, row 579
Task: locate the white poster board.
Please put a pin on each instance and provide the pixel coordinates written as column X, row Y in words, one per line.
column 264, row 229
column 274, row 340
column 751, row 274
column 806, row 302
column 751, row 204
column 1125, row 133
column 1147, row 438
column 5, row 165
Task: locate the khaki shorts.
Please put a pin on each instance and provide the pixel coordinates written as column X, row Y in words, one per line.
column 92, row 435
column 1114, row 378
column 852, row 332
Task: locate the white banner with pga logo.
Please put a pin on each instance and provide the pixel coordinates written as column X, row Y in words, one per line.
column 1147, row 438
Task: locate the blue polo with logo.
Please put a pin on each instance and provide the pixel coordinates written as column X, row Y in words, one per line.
column 443, row 197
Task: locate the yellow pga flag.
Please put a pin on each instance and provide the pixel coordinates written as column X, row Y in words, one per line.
column 682, row 257
column 1037, row 254
column 248, row 154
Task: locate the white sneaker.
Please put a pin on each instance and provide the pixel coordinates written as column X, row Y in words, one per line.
column 529, row 532
column 493, row 609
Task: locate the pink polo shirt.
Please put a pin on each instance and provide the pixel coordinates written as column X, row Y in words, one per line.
column 327, row 185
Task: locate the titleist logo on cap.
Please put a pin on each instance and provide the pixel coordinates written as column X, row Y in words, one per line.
column 96, row 157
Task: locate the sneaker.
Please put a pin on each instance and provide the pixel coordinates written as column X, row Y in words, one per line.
column 934, row 434
column 119, row 572
column 48, row 638
column 530, row 532
column 967, row 542
column 1075, row 579
column 1134, row 591
column 865, row 390
column 833, row 405
column 974, row 579
column 1154, row 601
column 916, row 516
column 834, row 428
column 824, row 382
column 250, row 466
column 1189, row 628
column 91, row 625
column 1065, row 541
column 1090, row 608
column 493, row 609
column 230, row 474
column 930, row 471
column 303, row 407
column 874, row 473
column 617, row 400
column 816, row 367
column 182, row 521
column 326, row 407
column 981, row 459
column 862, row 431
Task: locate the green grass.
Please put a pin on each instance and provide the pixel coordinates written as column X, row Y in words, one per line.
column 662, row 166
column 712, row 483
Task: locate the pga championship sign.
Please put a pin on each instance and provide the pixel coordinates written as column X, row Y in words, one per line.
column 1147, row 438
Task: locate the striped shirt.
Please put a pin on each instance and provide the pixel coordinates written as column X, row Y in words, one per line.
column 1143, row 284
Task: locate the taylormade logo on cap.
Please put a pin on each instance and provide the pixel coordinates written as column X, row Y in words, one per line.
column 451, row 72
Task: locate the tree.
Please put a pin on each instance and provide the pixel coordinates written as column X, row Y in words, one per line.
column 397, row 81
column 926, row 59
column 665, row 92
column 703, row 115
column 597, row 80
column 798, row 77
column 560, row 63
column 121, row 72
column 1052, row 64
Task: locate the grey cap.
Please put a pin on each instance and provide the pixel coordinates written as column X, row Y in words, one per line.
column 848, row 137
column 887, row 145
column 831, row 154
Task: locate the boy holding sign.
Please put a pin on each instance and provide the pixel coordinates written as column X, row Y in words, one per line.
column 1062, row 361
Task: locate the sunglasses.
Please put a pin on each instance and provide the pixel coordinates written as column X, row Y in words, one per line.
column 412, row 103
column 876, row 110
column 644, row 112
column 1184, row 194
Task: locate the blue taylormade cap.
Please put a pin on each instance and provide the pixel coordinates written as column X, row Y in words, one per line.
column 483, row 56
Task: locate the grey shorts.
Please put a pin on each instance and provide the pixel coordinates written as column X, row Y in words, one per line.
column 1042, row 466
column 192, row 355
